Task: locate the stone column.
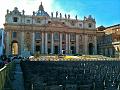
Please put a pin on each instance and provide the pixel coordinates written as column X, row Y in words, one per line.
column 86, row 44
column 111, row 51
column 77, row 43
column 60, row 43
column 106, row 51
column 22, row 43
column 33, row 42
column 52, row 43
column 95, row 45
column 66, row 43
column 42, row 48
column 69, row 49
column 7, row 44
column 46, row 44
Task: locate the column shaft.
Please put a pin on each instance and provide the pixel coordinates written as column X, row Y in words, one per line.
column 60, row 43
column 69, row 47
column 22, row 42
column 52, row 43
column 33, row 42
column 66, row 43
column 46, row 44
column 42, row 48
column 95, row 45
column 86, row 44
column 7, row 44
column 77, row 43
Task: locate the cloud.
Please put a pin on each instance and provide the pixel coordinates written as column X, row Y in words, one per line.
column 32, row 5
column 28, row 5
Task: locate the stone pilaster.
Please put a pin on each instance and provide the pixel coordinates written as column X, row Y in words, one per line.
column 42, row 48
column 22, row 42
column 77, row 43
column 46, row 44
column 7, row 44
column 95, row 45
column 52, row 43
column 69, row 47
column 66, row 43
column 86, row 44
column 60, row 43
column 33, row 42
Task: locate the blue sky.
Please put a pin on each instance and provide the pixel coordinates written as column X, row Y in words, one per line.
column 106, row 12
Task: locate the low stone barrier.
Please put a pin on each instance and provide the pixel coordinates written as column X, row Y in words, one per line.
column 6, row 75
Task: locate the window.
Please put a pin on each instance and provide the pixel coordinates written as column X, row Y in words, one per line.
column 15, row 19
column 28, row 21
column 72, row 37
column 38, row 20
column 37, row 36
column 49, row 36
column 80, row 37
column 90, row 25
column 80, row 25
column 49, row 22
column 14, row 34
column 56, row 36
column 63, row 23
column 72, row 23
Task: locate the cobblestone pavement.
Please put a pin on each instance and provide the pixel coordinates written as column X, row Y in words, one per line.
column 18, row 82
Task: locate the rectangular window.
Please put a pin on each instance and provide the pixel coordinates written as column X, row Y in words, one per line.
column 37, row 36
column 28, row 21
column 72, row 37
column 49, row 36
column 38, row 20
column 15, row 19
column 56, row 36
column 14, row 34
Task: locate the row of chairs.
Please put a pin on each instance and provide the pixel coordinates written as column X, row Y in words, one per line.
column 71, row 75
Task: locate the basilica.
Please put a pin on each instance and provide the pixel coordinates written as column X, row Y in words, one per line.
column 49, row 34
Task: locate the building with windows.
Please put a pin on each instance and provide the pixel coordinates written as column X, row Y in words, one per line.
column 109, row 41
column 49, row 34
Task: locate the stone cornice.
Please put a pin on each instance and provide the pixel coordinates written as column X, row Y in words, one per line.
column 35, row 28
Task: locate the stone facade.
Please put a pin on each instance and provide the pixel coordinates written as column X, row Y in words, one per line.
column 47, row 34
column 109, row 41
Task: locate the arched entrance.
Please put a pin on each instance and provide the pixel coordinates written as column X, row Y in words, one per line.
column 14, row 47
column 91, row 47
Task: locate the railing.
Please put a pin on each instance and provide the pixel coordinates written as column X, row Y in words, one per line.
column 6, row 75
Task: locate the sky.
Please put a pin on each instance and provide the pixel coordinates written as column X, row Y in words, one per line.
column 105, row 12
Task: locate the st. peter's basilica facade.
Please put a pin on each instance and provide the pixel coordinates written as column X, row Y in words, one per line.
column 48, row 34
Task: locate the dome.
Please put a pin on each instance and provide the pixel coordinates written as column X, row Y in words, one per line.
column 41, row 11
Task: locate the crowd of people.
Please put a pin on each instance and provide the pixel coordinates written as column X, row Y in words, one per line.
column 4, row 60
column 71, row 75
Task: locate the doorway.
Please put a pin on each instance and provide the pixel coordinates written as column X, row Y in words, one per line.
column 38, row 49
column 56, row 50
column 72, row 50
column 14, row 48
column 49, row 50
column 91, row 47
